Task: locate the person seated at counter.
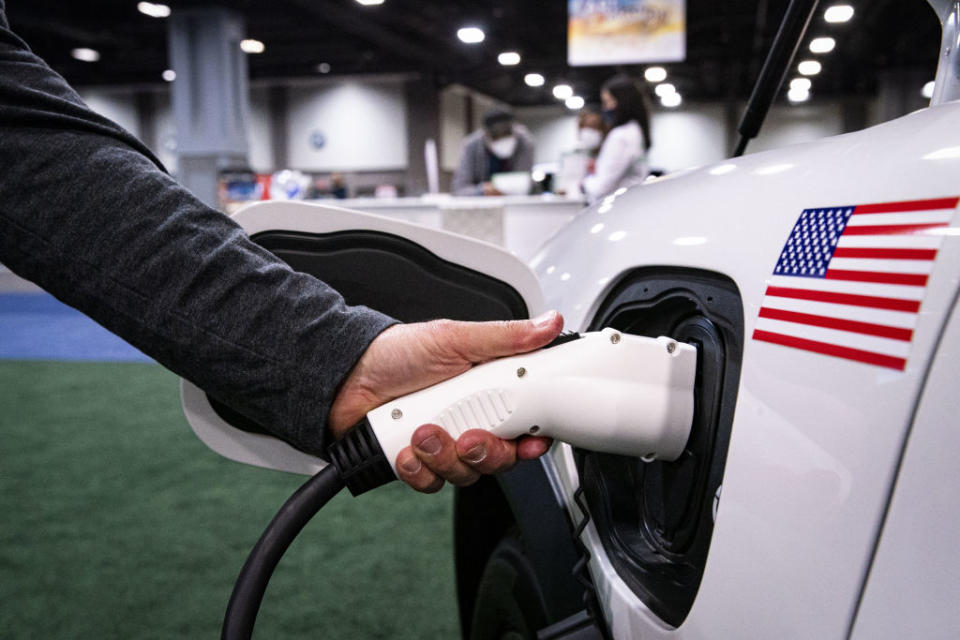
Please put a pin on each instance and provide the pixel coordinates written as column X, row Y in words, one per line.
column 502, row 145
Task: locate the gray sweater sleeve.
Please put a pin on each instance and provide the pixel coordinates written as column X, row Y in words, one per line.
column 88, row 213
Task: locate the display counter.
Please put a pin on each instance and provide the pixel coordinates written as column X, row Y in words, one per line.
column 518, row 223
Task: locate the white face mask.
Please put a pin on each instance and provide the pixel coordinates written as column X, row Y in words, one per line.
column 589, row 138
column 503, row 148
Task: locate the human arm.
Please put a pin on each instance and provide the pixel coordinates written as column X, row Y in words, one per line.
column 87, row 213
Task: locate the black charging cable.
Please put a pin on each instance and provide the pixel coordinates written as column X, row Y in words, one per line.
column 356, row 462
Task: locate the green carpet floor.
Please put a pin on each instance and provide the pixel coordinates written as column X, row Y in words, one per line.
column 116, row 522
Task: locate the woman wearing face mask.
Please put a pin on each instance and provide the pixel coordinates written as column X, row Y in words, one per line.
column 502, row 145
column 622, row 161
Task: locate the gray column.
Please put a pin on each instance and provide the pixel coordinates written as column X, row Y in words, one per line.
column 210, row 96
column 423, row 123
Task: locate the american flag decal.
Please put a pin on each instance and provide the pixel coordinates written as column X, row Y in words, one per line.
column 850, row 280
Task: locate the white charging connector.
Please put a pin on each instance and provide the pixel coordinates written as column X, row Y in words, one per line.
column 604, row 391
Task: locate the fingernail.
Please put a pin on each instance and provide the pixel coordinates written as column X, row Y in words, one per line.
column 476, row 453
column 430, row 446
column 544, row 319
column 411, row 465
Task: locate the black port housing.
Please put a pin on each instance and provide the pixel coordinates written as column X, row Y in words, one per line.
column 656, row 519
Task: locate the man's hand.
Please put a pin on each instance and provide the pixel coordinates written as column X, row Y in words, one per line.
column 408, row 357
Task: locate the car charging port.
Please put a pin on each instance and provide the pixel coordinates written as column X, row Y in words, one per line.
column 655, row 519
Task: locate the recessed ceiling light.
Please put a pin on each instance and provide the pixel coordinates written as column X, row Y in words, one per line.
column 800, row 84
column 562, row 91
column 153, row 9
column 85, row 54
column 927, row 91
column 369, row 3
column 169, row 75
column 664, row 89
column 655, row 74
column 838, row 13
column 798, row 95
column 509, row 58
column 809, row 67
column 574, row 102
column 252, row 46
column 822, row 45
column 671, row 100
column 534, row 80
column 471, row 35
column 323, row 67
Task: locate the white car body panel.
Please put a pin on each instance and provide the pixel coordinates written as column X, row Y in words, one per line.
column 914, row 584
column 816, row 440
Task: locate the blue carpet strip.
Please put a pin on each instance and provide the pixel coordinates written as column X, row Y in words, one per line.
column 36, row 326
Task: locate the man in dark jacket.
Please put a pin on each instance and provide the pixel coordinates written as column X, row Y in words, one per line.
column 90, row 215
column 501, row 146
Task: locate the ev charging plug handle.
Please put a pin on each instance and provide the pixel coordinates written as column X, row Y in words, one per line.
column 603, row 391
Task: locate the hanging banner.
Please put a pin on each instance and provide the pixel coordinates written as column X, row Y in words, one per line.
column 603, row 32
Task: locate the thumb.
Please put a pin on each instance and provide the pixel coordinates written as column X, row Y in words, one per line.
column 482, row 341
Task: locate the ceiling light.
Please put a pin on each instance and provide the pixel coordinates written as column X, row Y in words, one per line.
column 655, row 74
column 562, row 91
column 574, row 102
column 671, row 100
column 664, row 89
column 471, row 35
column 323, row 67
column 509, row 58
column 369, row 3
column 927, row 91
column 809, row 68
column 534, row 80
column 822, row 45
column 153, row 9
column 798, row 95
column 85, row 54
column 252, row 46
column 169, row 75
column 838, row 13
column 800, row 84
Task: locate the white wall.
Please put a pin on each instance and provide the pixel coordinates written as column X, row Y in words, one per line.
column 118, row 105
column 692, row 135
column 364, row 125
column 688, row 137
column 792, row 124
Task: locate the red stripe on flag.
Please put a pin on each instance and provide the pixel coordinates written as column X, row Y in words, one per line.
column 912, row 279
column 907, row 205
column 891, row 229
column 866, row 328
column 885, row 254
column 869, row 357
column 874, row 302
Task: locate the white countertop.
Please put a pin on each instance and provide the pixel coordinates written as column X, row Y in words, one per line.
column 446, row 201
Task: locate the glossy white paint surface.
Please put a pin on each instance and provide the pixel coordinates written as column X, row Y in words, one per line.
column 914, row 586
column 816, row 439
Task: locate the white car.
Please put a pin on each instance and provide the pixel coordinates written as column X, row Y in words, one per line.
column 817, row 496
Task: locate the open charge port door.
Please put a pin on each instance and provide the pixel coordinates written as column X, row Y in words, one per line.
column 656, row 519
